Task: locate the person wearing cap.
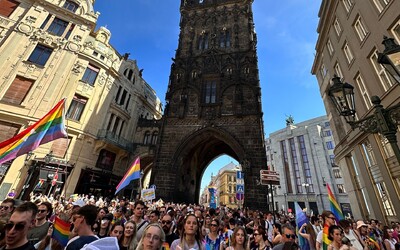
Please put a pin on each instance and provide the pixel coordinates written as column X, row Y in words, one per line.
column 83, row 221
column 105, row 225
column 365, row 240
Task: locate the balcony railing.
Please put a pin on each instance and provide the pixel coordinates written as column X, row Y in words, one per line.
column 111, row 137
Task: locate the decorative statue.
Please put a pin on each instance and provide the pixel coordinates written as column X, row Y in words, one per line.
column 289, row 120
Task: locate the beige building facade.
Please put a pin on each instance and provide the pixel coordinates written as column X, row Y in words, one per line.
column 350, row 37
column 50, row 50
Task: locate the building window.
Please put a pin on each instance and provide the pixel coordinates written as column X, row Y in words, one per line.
column 384, row 197
column 40, row 55
column 347, row 53
column 337, row 173
column 396, row 32
column 386, row 80
column 115, row 125
column 90, row 75
column 203, row 41
column 306, row 164
column 71, row 6
column 8, row 130
column 77, row 107
column 329, row 145
column 337, row 27
column 381, row 4
column 330, row 47
column 332, row 159
column 285, row 160
column 147, row 139
column 57, row 27
column 224, row 39
column 18, row 90
column 7, row 7
column 210, row 92
column 387, row 148
column 154, row 137
column 341, row 189
column 327, row 124
column 338, row 70
column 348, row 4
column 106, row 160
column 296, row 167
column 360, row 29
column 363, row 91
column 327, row 133
column 323, row 71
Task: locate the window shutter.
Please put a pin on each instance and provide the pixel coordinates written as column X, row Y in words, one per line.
column 18, row 90
column 7, row 7
column 60, row 147
column 8, row 130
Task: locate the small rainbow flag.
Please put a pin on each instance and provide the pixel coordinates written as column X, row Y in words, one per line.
column 325, row 241
column 39, row 184
column 47, row 129
column 165, row 246
column 334, row 205
column 61, row 231
column 133, row 173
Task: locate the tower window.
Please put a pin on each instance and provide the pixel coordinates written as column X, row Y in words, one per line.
column 71, row 6
column 210, row 92
column 224, row 39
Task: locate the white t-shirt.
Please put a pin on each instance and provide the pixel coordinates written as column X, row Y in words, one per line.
column 319, row 237
column 354, row 240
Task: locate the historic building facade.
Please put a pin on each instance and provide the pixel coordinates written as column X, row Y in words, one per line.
column 350, row 37
column 50, row 50
column 213, row 101
column 303, row 155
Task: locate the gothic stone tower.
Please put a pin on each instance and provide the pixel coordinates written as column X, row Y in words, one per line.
column 213, row 101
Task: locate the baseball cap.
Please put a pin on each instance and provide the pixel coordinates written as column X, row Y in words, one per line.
column 79, row 203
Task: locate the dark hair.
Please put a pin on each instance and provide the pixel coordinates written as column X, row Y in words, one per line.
column 232, row 221
column 27, row 207
column 290, row 246
column 261, row 230
column 344, row 223
column 49, row 208
column 89, row 212
column 325, row 214
column 314, row 219
column 138, row 202
column 114, row 225
column 279, row 227
column 9, row 200
column 385, row 232
column 331, row 230
column 156, row 213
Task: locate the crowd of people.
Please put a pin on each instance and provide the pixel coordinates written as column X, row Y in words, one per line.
column 126, row 225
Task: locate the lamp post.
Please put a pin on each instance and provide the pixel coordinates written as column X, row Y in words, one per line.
column 306, row 185
column 30, row 171
column 390, row 58
column 383, row 121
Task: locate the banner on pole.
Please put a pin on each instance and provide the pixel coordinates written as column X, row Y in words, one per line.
column 148, row 194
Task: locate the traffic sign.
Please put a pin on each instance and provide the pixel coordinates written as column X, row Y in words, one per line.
column 239, row 175
column 239, row 196
column 239, row 189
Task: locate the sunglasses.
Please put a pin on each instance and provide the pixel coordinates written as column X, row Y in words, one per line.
column 214, row 225
column 4, row 207
column 17, row 227
column 166, row 222
column 293, row 236
column 42, row 210
column 332, row 218
column 255, row 234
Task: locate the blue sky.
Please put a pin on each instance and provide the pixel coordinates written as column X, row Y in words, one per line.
column 286, row 32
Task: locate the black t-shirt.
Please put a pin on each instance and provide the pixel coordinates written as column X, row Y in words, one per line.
column 26, row 246
column 170, row 238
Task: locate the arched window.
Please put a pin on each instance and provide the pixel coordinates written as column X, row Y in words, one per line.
column 146, row 139
column 154, row 138
column 130, row 75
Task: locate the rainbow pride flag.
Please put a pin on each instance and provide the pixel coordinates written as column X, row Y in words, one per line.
column 335, row 208
column 48, row 128
column 133, row 173
column 61, row 231
column 325, row 241
column 301, row 218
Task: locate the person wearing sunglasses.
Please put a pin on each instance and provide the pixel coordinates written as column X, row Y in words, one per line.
column 6, row 208
column 42, row 224
column 166, row 224
column 260, row 239
column 213, row 239
column 288, row 235
column 21, row 220
column 328, row 219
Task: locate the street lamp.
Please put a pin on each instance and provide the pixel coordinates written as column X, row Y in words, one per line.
column 306, row 185
column 382, row 121
column 390, row 58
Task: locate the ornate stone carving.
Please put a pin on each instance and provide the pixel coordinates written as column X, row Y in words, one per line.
column 24, row 28
column 78, row 68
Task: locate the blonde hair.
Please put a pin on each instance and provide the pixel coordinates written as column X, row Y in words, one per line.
column 162, row 236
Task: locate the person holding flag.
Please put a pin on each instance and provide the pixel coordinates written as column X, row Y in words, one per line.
column 328, row 219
